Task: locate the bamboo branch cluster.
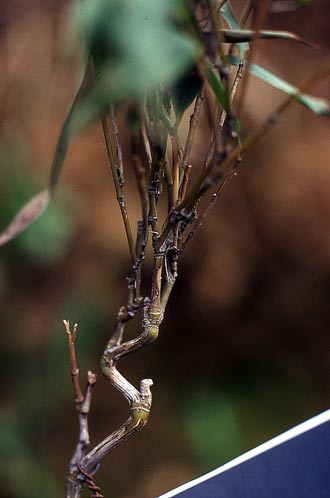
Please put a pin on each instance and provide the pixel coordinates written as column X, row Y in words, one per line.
column 162, row 166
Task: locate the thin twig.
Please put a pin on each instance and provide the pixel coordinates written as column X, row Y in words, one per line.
column 138, row 152
column 168, row 179
column 259, row 22
column 215, row 197
column 83, row 408
column 71, row 336
column 119, row 153
column 83, row 403
column 237, row 79
column 154, row 192
column 171, row 273
column 175, row 171
column 119, row 187
column 146, row 145
column 185, row 180
column 155, row 305
column 216, row 28
column 189, row 143
column 217, row 170
column 90, row 483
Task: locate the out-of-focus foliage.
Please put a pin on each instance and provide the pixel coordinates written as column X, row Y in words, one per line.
column 136, row 46
column 284, row 6
column 205, row 410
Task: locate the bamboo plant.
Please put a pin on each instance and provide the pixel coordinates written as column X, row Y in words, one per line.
column 154, row 65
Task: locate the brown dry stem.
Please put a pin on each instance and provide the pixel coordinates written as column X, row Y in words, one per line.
column 83, row 403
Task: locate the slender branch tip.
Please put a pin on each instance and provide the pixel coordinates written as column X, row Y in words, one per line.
column 91, row 377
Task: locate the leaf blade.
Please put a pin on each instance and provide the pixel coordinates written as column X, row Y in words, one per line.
column 68, row 130
column 29, row 213
column 245, row 35
column 317, row 105
column 217, row 87
column 228, row 15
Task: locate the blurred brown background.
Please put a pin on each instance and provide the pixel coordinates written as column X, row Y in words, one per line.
column 244, row 350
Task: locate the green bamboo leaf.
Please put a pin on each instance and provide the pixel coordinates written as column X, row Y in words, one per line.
column 317, row 105
column 228, row 15
column 246, row 35
column 217, row 87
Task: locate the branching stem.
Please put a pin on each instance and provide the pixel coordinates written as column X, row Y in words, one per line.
column 83, row 403
column 218, row 169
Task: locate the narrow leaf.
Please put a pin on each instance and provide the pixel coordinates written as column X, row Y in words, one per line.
column 245, row 35
column 39, row 203
column 27, row 215
column 217, row 87
column 228, row 15
column 317, row 105
column 67, row 130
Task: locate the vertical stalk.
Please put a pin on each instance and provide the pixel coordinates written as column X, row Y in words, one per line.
column 117, row 179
